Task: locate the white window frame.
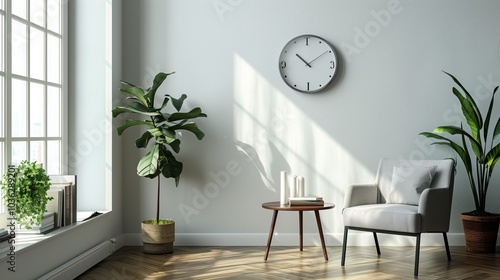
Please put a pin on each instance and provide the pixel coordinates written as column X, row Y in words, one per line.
column 7, row 75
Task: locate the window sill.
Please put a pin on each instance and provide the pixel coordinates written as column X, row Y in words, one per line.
column 28, row 240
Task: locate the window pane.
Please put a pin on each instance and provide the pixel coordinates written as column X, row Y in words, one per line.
column 54, row 157
column 19, row 108
column 53, row 59
column 19, row 8
column 53, row 112
column 19, row 48
column 37, row 152
column 54, row 15
column 37, row 104
column 2, row 152
column 19, row 154
column 2, row 7
column 37, row 54
column 2, row 39
column 37, row 12
column 2, row 112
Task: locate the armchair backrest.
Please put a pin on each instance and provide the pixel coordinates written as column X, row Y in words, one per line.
column 443, row 178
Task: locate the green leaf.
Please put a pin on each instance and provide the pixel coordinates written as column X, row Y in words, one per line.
column 141, row 108
column 143, row 141
column 171, row 167
column 148, row 165
column 165, row 102
column 129, row 123
column 471, row 116
column 492, row 165
column 158, row 80
column 492, row 155
column 194, row 113
column 120, row 110
column 162, row 135
column 497, row 129
column 156, row 132
column 178, row 102
column 463, row 154
column 176, row 145
column 469, row 97
column 194, row 129
column 137, row 92
column 451, row 129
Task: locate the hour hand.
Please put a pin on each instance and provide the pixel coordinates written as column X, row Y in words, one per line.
column 307, row 64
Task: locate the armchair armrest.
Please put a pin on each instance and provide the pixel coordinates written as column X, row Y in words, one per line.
column 435, row 209
column 360, row 194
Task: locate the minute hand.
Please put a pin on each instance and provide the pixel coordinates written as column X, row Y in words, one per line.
column 317, row 57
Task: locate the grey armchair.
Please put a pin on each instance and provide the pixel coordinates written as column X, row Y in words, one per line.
column 407, row 198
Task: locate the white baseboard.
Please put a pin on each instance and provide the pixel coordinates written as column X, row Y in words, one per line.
column 356, row 238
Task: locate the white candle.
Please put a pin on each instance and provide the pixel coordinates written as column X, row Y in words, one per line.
column 283, row 196
column 293, row 186
column 300, row 186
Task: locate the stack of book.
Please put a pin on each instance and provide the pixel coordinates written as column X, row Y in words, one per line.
column 63, row 204
column 306, row 200
column 46, row 225
column 4, row 234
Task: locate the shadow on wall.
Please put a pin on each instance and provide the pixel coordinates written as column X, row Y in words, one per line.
column 270, row 179
column 277, row 135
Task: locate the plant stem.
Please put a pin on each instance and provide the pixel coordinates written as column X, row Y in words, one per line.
column 158, row 203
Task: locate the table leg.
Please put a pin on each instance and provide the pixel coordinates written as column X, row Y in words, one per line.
column 301, row 231
column 320, row 230
column 271, row 231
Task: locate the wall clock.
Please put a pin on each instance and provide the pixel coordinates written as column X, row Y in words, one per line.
column 308, row 63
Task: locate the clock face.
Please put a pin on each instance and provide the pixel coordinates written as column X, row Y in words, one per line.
column 308, row 63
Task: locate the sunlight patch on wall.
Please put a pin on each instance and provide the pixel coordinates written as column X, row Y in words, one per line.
column 278, row 135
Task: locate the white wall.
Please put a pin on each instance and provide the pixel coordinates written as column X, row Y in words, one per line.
column 225, row 54
column 89, row 109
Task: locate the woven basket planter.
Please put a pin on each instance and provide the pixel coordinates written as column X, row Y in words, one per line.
column 480, row 232
column 158, row 238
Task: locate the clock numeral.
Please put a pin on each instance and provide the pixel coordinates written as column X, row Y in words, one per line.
column 332, row 64
column 307, row 85
column 283, row 64
column 307, row 41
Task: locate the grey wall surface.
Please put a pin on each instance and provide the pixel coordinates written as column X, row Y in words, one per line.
column 225, row 54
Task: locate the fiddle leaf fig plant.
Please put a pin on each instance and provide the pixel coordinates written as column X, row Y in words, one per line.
column 160, row 127
column 477, row 147
column 25, row 193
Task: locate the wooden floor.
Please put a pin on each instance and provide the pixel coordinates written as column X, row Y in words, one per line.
column 289, row 263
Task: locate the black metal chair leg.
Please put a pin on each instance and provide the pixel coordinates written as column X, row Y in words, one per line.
column 376, row 242
column 417, row 255
column 445, row 237
column 344, row 246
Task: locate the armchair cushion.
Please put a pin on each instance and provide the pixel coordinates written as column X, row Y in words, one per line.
column 389, row 217
column 408, row 183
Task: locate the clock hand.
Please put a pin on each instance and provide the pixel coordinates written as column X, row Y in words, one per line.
column 317, row 57
column 307, row 64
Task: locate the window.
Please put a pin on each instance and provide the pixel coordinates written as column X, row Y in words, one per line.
column 32, row 84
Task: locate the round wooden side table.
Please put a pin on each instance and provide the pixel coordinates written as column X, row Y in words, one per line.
column 276, row 207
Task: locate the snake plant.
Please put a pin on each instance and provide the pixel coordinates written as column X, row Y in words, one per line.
column 476, row 148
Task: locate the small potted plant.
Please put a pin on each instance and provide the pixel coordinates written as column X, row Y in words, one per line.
column 479, row 154
column 162, row 128
column 25, row 193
